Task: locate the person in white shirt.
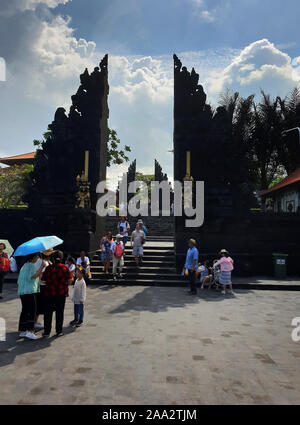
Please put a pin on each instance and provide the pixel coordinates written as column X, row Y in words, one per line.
column 13, row 265
column 123, row 227
column 117, row 249
column 71, row 263
column 84, row 261
column 79, row 297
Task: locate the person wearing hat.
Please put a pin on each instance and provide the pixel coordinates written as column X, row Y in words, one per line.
column 137, row 240
column 117, row 249
column 40, row 299
column 143, row 227
column 191, row 262
column 226, row 266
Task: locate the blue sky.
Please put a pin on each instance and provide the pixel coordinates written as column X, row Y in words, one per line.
column 154, row 27
column 244, row 45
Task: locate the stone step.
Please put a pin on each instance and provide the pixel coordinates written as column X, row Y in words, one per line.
column 147, row 256
column 141, row 275
column 243, row 284
column 147, row 248
column 184, row 283
column 143, row 269
column 129, row 261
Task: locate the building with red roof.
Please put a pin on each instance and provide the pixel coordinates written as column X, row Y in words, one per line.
column 25, row 158
column 285, row 195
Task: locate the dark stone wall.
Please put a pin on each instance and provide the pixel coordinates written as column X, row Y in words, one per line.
column 221, row 163
column 18, row 226
column 251, row 240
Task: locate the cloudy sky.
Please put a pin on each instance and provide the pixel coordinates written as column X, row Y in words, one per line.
column 243, row 45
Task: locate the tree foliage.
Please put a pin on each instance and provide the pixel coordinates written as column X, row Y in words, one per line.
column 256, row 135
column 115, row 155
column 146, row 178
column 13, row 183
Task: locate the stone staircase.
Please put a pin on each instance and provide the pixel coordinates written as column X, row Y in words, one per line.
column 158, row 266
column 157, row 226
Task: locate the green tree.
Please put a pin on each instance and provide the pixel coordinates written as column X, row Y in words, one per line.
column 257, row 144
column 277, row 180
column 115, row 155
column 13, row 183
column 146, row 178
column 39, row 143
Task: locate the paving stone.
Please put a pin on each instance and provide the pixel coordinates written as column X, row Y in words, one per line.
column 152, row 345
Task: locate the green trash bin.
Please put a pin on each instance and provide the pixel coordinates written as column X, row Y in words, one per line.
column 279, row 265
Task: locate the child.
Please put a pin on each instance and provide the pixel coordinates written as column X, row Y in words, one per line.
column 203, row 270
column 226, row 266
column 117, row 249
column 79, row 297
column 87, row 269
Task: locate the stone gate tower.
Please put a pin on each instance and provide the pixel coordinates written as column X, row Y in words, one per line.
column 62, row 191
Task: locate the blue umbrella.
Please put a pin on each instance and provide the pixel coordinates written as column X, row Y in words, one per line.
column 41, row 243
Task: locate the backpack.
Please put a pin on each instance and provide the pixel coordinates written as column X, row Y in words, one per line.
column 118, row 250
column 123, row 226
column 4, row 263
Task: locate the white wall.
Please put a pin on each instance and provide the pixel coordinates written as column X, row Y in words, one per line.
column 289, row 196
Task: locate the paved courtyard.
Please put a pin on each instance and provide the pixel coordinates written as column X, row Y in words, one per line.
column 143, row 345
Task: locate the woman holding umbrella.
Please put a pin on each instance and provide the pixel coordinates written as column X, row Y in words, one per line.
column 28, row 281
column 28, row 288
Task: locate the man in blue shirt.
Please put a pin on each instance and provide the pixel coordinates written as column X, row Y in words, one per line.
column 191, row 265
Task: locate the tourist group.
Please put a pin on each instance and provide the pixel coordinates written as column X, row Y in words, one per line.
column 46, row 275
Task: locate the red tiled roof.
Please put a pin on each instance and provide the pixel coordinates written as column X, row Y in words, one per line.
column 291, row 179
column 23, row 158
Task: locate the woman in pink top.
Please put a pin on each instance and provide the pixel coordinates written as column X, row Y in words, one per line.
column 226, row 265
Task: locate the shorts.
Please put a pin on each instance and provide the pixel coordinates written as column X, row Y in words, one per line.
column 124, row 239
column 137, row 250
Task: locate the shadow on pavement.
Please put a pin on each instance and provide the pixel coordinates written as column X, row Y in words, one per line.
column 10, row 292
column 158, row 299
column 15, row 346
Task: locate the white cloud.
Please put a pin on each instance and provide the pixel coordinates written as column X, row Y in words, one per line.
column 208, row 16
column 45, row 60
column 259, row 65
column 59, row 57
column 9, row 8
column 31, row 4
